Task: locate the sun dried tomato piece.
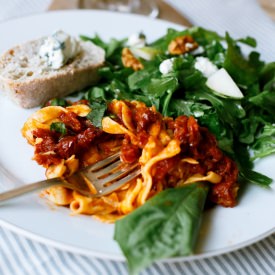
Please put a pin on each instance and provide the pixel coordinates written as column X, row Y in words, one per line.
column 71, row 121
column 86, row 137
column 66, row 147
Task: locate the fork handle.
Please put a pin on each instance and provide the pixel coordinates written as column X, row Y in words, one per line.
column 7, row 195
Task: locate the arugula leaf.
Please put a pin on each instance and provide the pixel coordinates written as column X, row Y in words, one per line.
column 109, row 47
column 180, row 107
column 235, row 123
column 95, row 93
column 166, row 225
column 59, row 127
column 267, row 74
column 250, row 41
column 229, row 111
column 96, row 40
column 255, row 177
column 249, row 129
column 203, row 36
column 265, row 142
column 113, row 46
column 58, row 102
column 158, row 87
column 215, row 52
column 120, row 90
column 141, row 78
column 163, row 42
column 244, row 72
column 166, row 102
column 106, row 73
column 265, row 100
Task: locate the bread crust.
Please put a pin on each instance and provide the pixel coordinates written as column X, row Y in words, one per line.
column 37, row 89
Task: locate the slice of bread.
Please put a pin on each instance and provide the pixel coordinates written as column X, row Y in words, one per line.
column 27, row 80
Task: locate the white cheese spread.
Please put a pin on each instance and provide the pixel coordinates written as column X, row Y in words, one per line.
column 58, row 49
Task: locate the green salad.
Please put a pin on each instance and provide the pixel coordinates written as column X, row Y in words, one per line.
column 230, row 92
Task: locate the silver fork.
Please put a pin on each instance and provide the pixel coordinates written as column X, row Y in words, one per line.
column 105, row 176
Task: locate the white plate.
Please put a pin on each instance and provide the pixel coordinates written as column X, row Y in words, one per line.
column 223, row 229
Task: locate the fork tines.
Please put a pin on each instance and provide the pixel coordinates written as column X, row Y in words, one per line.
column 110, row 174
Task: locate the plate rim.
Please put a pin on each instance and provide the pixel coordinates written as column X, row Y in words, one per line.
column 111, row 256
column 122, row 14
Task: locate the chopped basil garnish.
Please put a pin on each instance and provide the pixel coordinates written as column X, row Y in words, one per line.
column 58, row 127
column 97, row 113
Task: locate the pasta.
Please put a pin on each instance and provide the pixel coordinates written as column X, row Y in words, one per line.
column 171, row 153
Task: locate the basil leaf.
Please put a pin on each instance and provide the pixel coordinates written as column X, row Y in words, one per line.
column 165, row 226
column 59, row 127
column 97, row 113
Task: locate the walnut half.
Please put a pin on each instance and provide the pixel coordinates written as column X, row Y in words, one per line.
column 130, row 61
column 182, row 44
